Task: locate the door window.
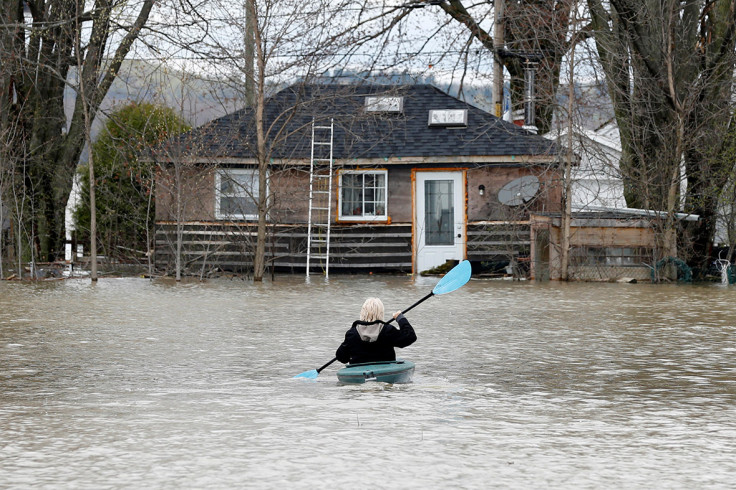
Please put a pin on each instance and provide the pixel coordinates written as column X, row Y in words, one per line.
column 439, row 212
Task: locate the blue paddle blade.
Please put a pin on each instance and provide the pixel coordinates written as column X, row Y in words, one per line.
column 308, row 374
column 456, row 278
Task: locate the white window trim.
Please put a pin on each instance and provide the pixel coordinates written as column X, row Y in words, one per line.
column 218, row 195
column 381, row 218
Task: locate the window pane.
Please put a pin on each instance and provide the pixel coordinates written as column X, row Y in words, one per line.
column 381, row 201
column 246, row 184
column 226, row 185
column 350, row 180
column 351, row 202
column 237, row 206
column 439, row 212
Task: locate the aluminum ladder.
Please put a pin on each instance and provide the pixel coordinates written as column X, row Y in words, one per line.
column 320, row 198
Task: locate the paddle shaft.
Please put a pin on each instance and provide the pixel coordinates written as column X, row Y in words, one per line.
column 319, row 370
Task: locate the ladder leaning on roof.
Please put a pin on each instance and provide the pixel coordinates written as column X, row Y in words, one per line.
column 320, row 192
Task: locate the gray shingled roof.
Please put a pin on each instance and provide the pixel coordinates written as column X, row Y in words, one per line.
column 359, row 134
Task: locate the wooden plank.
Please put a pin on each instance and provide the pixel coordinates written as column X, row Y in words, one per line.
column 492, row 253
column 333, row 235
column 339, row 265
column 500, row 242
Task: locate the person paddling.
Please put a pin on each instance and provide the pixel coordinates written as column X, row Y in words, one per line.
column 370, row 339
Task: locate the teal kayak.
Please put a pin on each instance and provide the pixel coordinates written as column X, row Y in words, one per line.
column 398, row 371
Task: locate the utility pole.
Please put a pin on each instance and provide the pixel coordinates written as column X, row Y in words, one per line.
column 249, row 41
column 498, row 46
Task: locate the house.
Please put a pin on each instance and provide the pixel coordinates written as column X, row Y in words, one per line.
column 608, row 240
column 596, row 181
column 412, row 178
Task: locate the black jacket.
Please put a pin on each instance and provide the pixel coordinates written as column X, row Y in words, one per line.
column 354, row 350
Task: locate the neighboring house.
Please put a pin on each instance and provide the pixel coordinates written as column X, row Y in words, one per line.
column 596, row 181
column 419, row 178
column 608, row 241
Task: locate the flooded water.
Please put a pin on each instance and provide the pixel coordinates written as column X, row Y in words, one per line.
column 130, row 383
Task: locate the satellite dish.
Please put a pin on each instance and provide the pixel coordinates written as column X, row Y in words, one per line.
column 519, row 191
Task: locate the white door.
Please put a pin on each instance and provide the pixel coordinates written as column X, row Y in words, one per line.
column 439, row 219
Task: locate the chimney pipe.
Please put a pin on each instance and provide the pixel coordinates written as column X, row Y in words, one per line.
column 530, row 70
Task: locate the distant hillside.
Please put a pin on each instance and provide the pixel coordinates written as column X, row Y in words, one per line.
column 195, row 98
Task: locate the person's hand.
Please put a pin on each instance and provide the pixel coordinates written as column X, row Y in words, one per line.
column 397, row 314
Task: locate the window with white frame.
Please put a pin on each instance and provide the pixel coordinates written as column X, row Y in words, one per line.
column 236, row 193
column 363, row 195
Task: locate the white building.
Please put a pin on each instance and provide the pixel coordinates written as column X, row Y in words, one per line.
column 596, row 180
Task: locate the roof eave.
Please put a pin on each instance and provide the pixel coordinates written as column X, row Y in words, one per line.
column 393, row 160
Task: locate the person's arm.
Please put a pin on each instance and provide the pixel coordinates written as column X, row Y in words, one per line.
column 405, row 335
column 343, row 352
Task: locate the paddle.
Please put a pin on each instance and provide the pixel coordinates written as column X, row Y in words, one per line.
column 455, row 279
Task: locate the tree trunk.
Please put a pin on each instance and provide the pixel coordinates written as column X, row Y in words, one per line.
column 259, row 257
column 39, row 63
column 179, row 220
column 567, row 189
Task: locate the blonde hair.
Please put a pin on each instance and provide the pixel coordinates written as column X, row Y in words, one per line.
column 372, row 310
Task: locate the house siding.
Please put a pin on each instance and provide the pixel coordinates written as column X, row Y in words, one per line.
column 212, row 246
column 495, row 232
column 488, row 208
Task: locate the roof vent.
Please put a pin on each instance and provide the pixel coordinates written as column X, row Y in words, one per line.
column 448, row 118
column 384, row 104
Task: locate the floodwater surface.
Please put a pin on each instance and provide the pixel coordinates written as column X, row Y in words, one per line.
column 130, row 383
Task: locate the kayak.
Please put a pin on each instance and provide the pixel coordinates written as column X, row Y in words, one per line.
column 398, row 371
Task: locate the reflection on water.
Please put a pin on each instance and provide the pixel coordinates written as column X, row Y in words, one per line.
column 130, row 383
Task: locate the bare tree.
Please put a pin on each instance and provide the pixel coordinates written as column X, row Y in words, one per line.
column 38, row 40
column 669, row 68
column 569, row 157
column 291, row 41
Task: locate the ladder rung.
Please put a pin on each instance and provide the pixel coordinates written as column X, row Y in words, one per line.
column 322, row 127
column 323, row 143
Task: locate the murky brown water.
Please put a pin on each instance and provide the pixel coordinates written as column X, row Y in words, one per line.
column 130, row 384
